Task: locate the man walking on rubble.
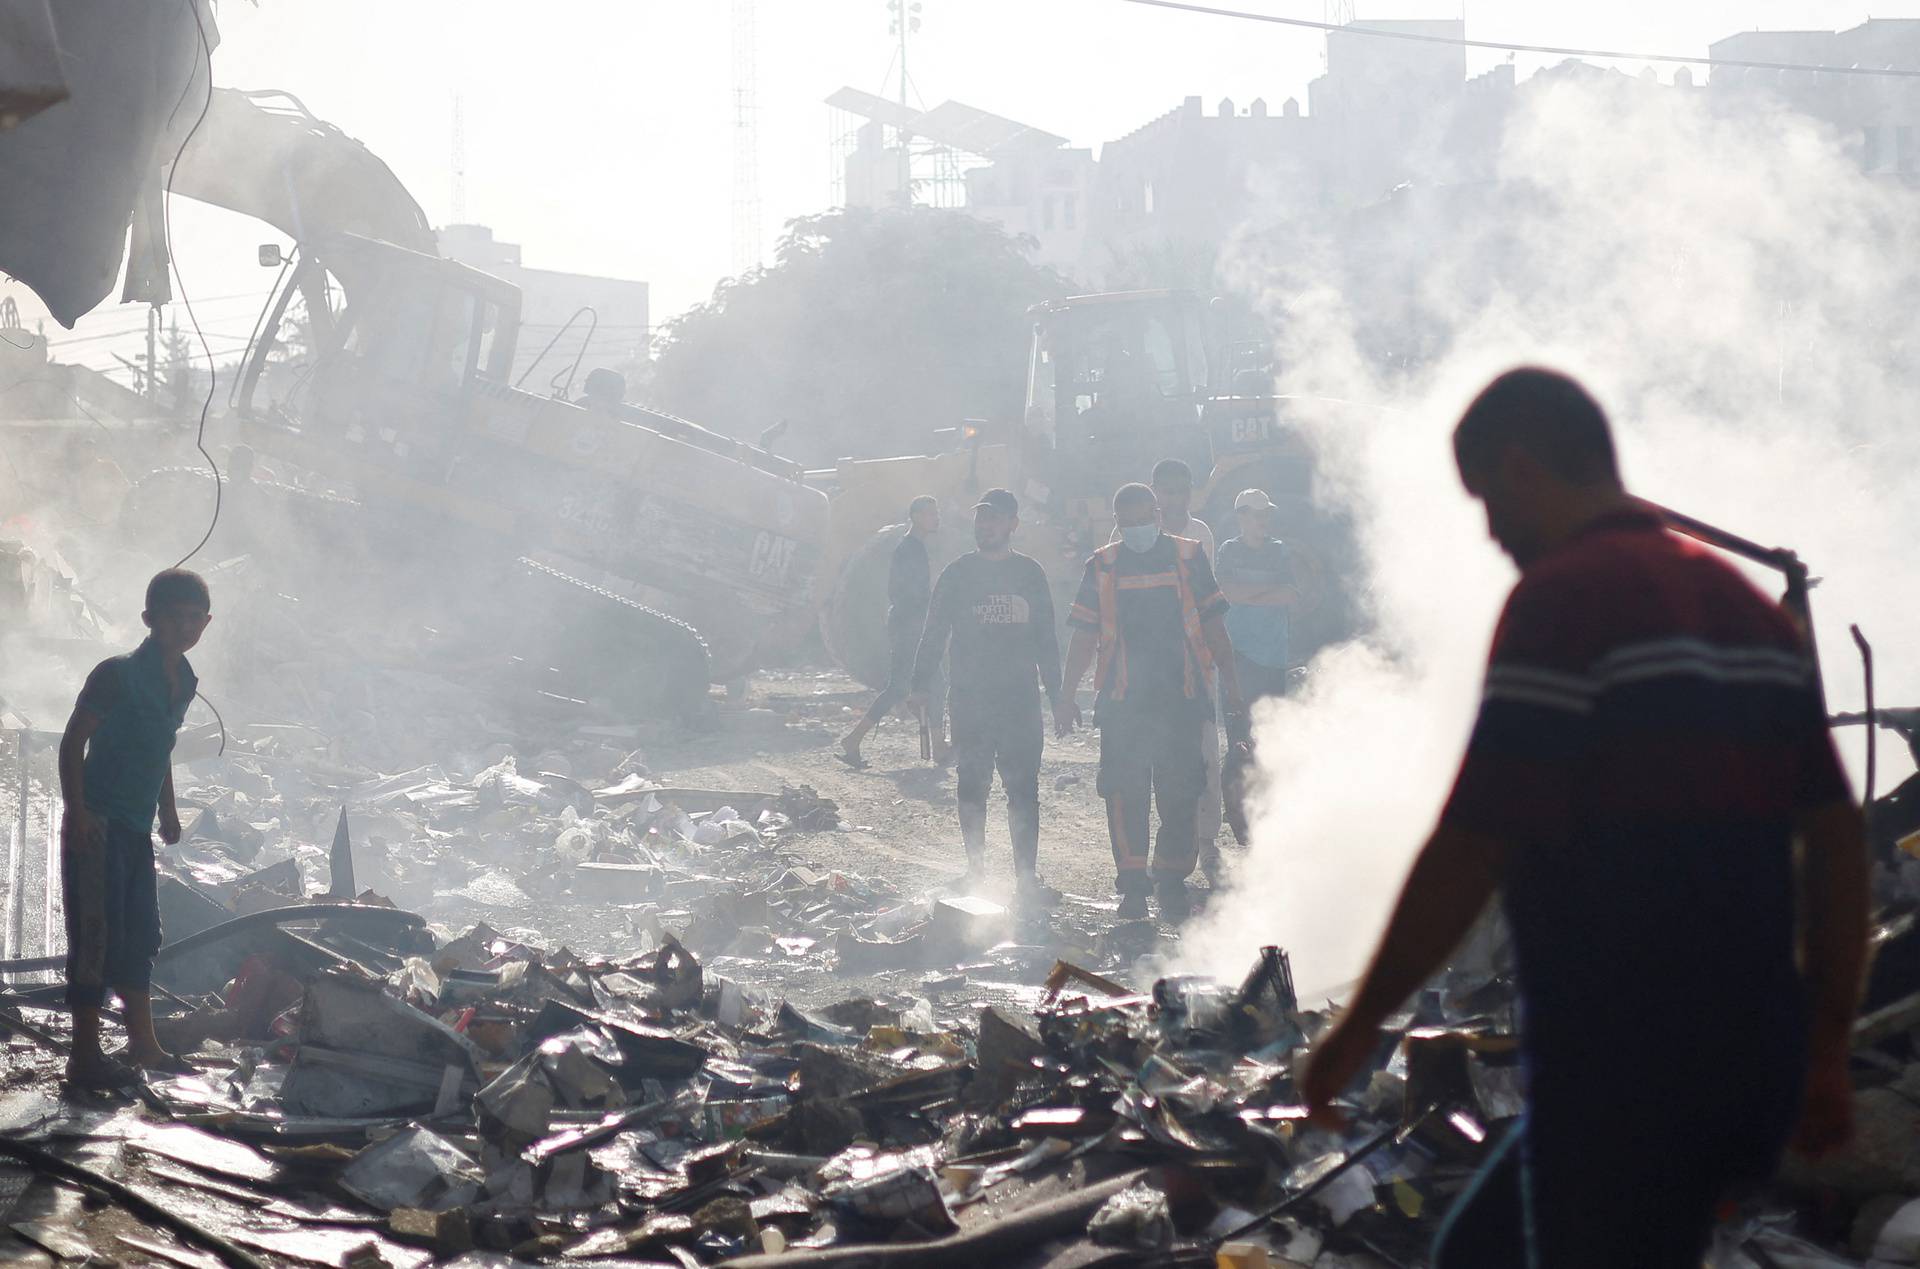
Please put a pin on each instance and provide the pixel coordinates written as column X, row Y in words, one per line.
column 1651, row 745
column 993, row 605
column 1256, row 575
column 1150, row 611
column 909, row 584
column 1173, row 489
column 115, row 776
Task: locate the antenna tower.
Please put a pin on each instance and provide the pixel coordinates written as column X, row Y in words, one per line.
column 1338, row 12
column 746, row 140
column 906, row 21
column 458, row 193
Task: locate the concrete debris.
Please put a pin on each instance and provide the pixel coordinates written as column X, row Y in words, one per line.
column 786, row 1063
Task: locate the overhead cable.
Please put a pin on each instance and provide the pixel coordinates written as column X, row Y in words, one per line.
column 213, row 370
column 1386, row 33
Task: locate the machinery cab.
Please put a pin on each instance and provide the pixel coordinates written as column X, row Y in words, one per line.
column 1115, row 383
column 378, row 349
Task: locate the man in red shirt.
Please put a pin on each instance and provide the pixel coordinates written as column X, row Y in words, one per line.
column 1651, row 745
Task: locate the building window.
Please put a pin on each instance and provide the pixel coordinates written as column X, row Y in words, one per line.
column 1066, row 210
column 1046, row 212
column 1146, row 199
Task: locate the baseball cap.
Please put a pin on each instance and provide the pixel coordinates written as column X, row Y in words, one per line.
column 1001, row 500
column 1253, row 500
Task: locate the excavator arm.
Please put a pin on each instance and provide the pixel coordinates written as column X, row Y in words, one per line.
column 265, row 155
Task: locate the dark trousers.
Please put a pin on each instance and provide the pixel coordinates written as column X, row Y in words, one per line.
column 113, row 913
column 1628, row 1181
column 1257, row 682
column 903, row 642
column 1148, row 759
column 1010, row 739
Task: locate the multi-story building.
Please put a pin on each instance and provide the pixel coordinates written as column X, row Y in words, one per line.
column 1159, row 203
column 1874, row 115
column 1161, row 200
column 1187, row 178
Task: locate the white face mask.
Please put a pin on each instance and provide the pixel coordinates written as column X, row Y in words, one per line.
column 1140, row 537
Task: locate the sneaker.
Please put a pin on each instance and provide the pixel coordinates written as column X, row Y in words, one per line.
column 1176, row 902
column 1133, row 906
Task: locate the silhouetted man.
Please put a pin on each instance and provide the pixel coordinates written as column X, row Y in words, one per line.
column 909, row 585
column 1651, row 742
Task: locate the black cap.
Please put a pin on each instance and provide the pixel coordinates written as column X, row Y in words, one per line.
column 1001, row 500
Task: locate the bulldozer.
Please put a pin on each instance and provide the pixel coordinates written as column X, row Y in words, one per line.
column 635, row 555
column 1115, row 383
column 616, row 551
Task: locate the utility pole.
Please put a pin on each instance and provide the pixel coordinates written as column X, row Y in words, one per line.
column 746, row 139
column 458, row 193
column 900, row 28
column 153, row 342
column 906, row 21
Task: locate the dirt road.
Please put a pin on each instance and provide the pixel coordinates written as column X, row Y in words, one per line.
column 902, row 805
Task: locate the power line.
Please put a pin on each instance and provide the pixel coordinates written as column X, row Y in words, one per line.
column 1503, row 47
column 85, row 333
column 166, row 212
column 95, row 336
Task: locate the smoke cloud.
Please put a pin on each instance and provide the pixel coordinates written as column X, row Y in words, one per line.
column 1733, row 288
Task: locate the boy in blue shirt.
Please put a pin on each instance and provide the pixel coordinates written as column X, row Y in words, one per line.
column 115, row 774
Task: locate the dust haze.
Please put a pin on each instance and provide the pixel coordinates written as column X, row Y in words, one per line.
column 1734, row 290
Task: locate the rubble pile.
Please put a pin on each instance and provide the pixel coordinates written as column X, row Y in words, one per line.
column 415, row 1099
column 762, row 1061
column 580, row 845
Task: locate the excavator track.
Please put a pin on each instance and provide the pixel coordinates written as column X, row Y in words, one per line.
column 608, row 645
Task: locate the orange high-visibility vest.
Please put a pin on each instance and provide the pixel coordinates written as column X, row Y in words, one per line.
column 1110, row 670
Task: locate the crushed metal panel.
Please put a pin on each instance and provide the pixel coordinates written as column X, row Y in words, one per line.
column 343, row 1012
column 417, row 1168
column 343, row 1084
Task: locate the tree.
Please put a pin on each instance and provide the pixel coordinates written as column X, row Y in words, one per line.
column 870, row 330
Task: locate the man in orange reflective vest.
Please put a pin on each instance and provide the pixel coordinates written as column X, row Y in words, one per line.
column 1150, row 611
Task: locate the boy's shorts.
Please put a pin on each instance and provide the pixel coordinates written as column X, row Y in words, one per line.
column 113, row 914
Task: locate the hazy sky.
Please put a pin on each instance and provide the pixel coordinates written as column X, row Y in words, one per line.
column 599, row 132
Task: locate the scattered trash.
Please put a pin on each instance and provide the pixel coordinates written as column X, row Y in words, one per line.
column 782, row 1058
column 1136, row 1217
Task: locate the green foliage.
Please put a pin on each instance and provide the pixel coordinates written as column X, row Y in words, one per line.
column 871, row 330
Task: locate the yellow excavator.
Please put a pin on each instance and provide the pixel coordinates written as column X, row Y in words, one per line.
column 648, row 554
column 1116, row 382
